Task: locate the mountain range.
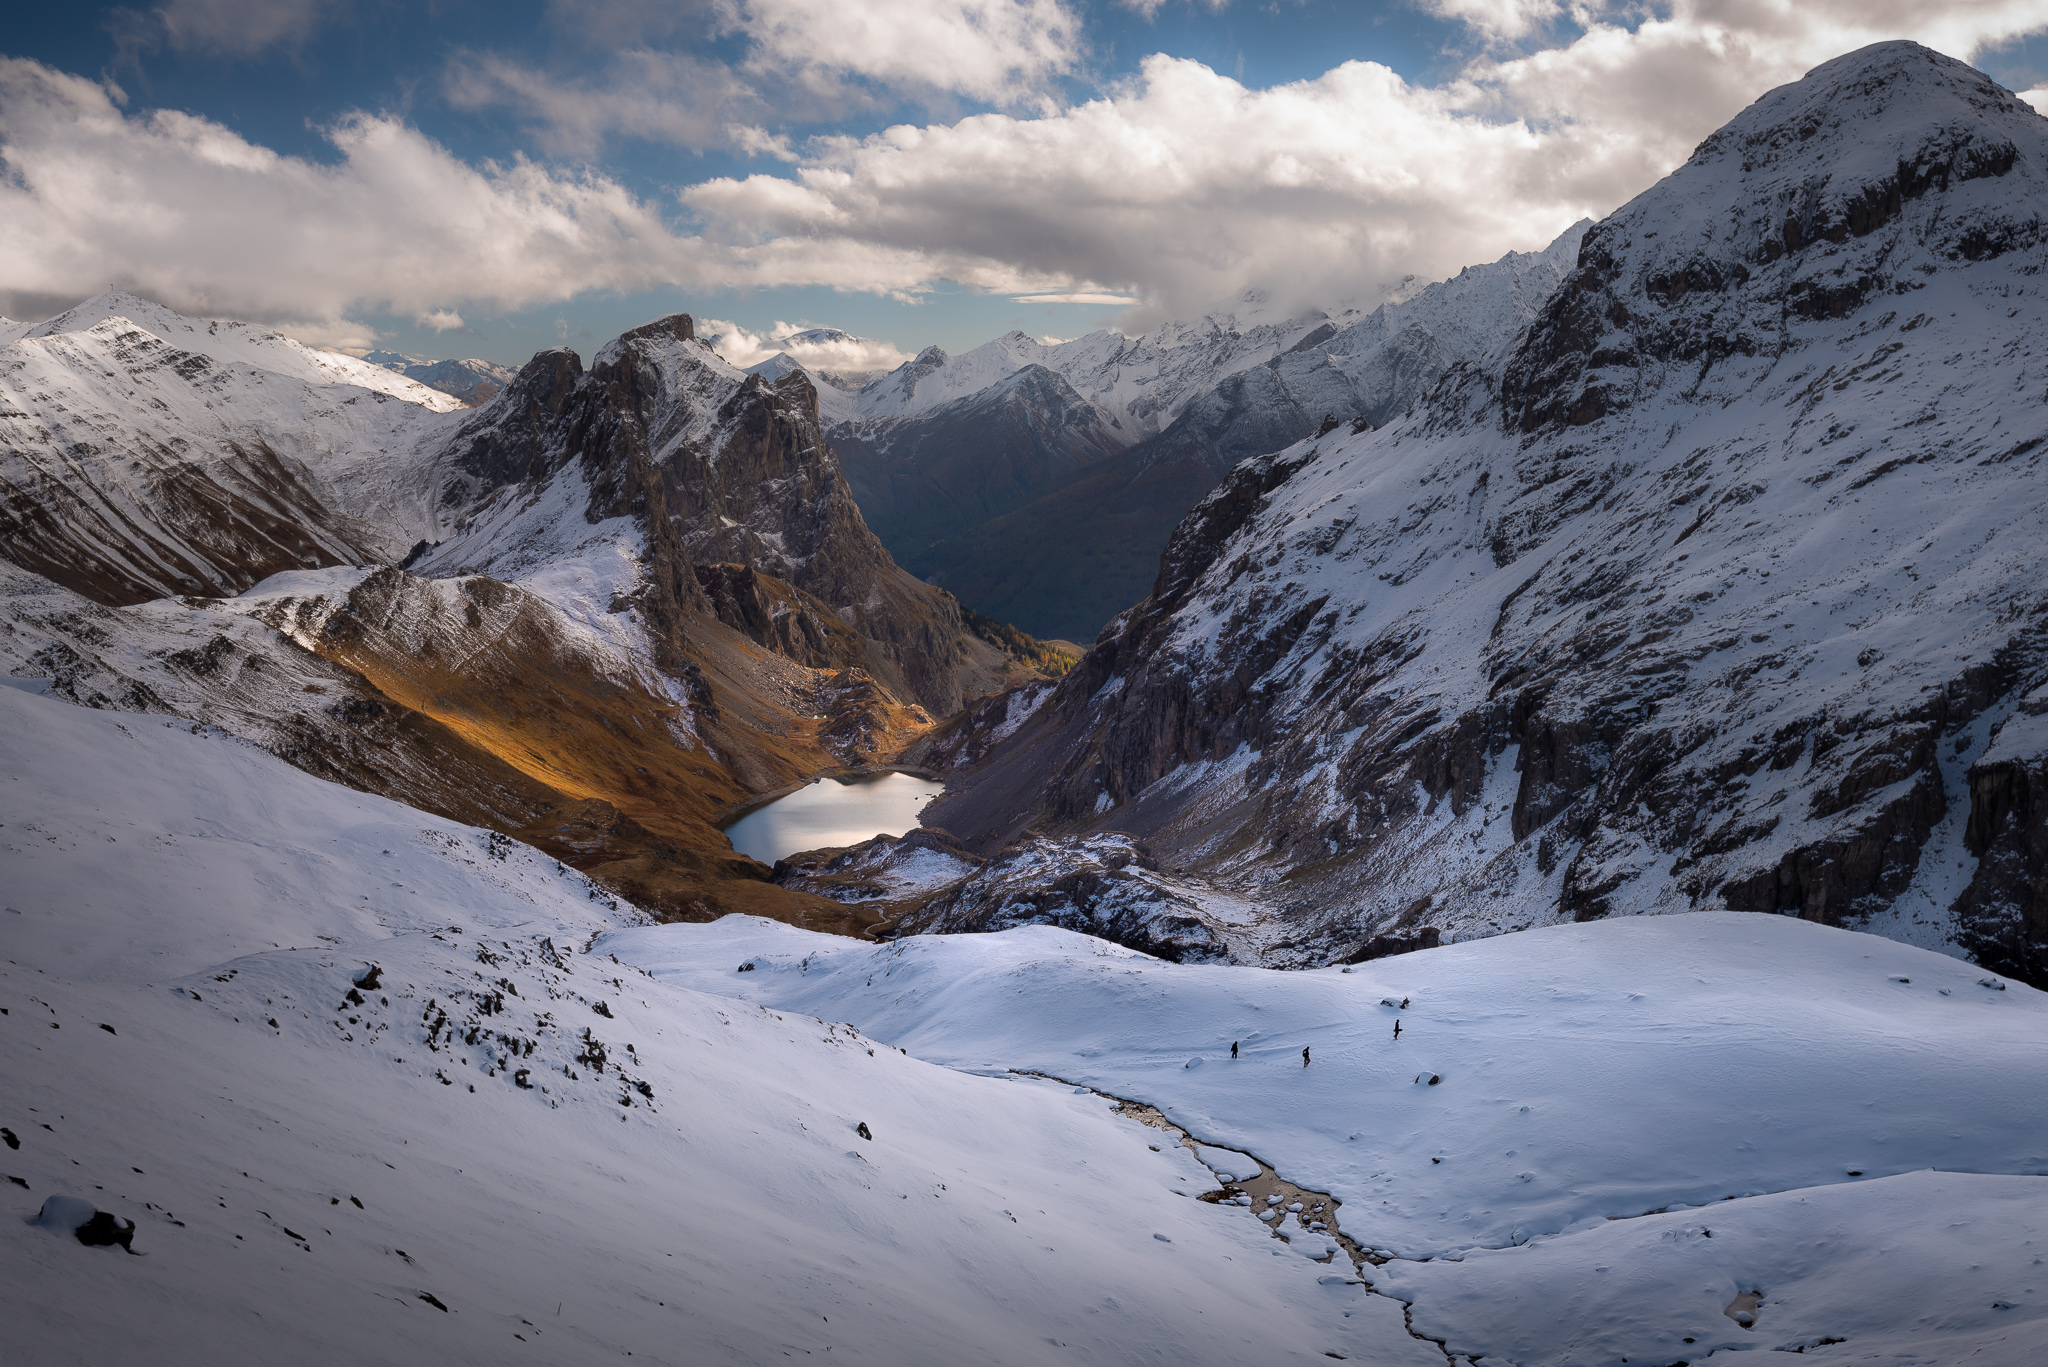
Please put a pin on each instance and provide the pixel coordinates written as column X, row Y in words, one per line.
column 1039, row 480
column 472, row 381
column 364, row 753
column 1719, row 586
column 597, row 613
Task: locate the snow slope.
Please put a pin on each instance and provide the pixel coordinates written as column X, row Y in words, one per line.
column 1796, row 1081
column 244, row 343
column 507, row 1147
column 136, row 467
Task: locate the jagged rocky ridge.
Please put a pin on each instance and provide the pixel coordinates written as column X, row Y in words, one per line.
column 596, row 613
column 1725, row 590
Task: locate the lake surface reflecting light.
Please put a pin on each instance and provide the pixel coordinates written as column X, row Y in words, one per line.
column 831, row 812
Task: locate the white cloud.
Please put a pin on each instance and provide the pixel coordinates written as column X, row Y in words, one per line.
column 1501, row 18
column 1150, row 9
column 836, row 352
column 2037, row 97
column 993, row 50
column 806, row 61
column 759, row 142
column 441, row 320
column 1189, row 186
column 188, row 212
column 1181, row 189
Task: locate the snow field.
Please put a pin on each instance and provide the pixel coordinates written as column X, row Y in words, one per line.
column 1588, row 1074
column 188, row 891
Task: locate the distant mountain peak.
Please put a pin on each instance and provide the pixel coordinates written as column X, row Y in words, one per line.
column 235, row 342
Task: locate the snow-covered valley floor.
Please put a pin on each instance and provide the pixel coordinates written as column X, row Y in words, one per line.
column 1587, row 1143
column 546, row 1132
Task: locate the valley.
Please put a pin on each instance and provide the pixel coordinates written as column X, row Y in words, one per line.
column 1504, row 826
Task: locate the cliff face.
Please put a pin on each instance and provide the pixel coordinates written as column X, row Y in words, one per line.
column 696, row 464
column 1706, row 596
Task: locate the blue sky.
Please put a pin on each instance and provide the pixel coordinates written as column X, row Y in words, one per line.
column 371, row 173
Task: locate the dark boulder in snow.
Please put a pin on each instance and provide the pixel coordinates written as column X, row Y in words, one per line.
column 94, row 1228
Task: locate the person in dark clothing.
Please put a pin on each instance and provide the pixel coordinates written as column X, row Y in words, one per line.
column 1397, row 1029
column 1233, row 1048
column 1304, row 1056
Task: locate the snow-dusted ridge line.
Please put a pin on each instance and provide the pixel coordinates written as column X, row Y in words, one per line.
column 246, row 343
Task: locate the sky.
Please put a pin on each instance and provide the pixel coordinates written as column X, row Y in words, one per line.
column 453, row 178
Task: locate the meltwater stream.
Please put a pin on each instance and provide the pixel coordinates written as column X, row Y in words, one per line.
column 833, row 811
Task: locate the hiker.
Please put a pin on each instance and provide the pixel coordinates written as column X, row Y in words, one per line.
column 1233, row 1048
column 1304, row 1056
column 1397, row 1028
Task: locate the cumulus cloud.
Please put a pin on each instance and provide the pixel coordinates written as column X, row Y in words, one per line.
column 1189, row 186
column 1070, row 298
column 1181, row 189
column 441, row 320
column 188, row 212
column 823, row 349
column 1501, row 18
column 993, row 50
column 1150, row 9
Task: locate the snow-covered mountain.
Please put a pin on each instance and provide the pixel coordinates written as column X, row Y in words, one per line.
column 470, row 381
column 228, row 341
column 963, row 463
column 1723, row 592
column 367, row 1092
column 133, row 466
column 1065, row 541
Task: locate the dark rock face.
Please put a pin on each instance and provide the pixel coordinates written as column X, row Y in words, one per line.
column 719, row 469
column 2003, row 915
column 1648, row 619
column 1051, row 510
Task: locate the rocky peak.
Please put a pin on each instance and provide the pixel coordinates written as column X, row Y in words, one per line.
column 1871, row 174
column 717, row 466
column 511, row 439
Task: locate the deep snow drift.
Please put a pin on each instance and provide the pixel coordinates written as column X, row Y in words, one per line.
column 1792, row 1083
column 640, row 1169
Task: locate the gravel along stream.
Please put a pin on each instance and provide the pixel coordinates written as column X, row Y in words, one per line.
column 1292, row 1214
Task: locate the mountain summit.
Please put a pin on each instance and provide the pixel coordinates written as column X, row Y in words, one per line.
column 1724, row 591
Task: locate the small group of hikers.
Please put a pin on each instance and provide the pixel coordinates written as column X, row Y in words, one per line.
column 1304, row 1048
